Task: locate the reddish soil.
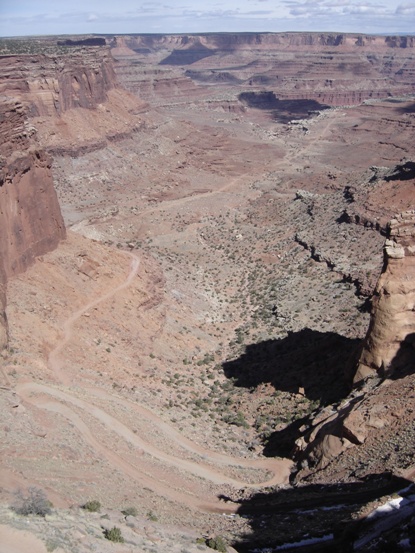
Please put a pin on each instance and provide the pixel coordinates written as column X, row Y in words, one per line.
column 197, row 238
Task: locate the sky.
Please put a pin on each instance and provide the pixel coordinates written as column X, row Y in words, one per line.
column 55, row 17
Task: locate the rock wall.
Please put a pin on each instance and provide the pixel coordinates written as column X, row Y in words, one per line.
column 71, row 94
column 234, row 41
column 390, row 343
column 54, row 98
column 333, row 69
column 30, row 219
column 54, row 81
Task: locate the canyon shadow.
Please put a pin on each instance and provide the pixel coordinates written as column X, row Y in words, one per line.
column 320, row 364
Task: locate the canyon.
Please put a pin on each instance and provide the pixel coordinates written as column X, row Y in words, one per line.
column 207, row 254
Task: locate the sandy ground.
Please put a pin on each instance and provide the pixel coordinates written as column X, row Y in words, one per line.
column 186, row 251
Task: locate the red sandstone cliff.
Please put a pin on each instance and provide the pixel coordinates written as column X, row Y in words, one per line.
column 71, row 95
column 30, row 218
column 391, row 336
column 57, row 99
column 234, row 41
column 53, row 82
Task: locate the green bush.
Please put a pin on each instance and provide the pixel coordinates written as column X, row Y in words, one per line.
column 130, row 512
column 34, row 502
column 114, row 535
column 217, row 543
column 93, row 506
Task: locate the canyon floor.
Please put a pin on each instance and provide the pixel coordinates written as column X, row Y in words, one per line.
column 211, row 291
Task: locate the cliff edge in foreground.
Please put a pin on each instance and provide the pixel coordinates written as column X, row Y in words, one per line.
column 31, row 223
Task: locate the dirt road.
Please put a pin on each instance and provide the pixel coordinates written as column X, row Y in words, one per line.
column 64, row 400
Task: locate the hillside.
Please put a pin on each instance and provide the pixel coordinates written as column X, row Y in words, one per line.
column 206, row 340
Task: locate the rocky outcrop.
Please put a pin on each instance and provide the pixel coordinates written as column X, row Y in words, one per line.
column 390, row 342
column 30, row 219
column 71, row 93
column 56, row 98
column 388, row 353
column 52, row 82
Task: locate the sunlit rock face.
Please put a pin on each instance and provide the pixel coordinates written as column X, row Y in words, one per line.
column 389, row 345
column 30, row 218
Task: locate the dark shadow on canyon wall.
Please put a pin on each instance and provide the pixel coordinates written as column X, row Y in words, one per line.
column 407, row 109
column 282, row 111
column 403, row 171
column 319, row 362
column 287, row 515
column 194, row 53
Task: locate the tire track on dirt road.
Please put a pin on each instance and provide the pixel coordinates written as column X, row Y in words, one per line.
column 54, row 361
column 186, row 495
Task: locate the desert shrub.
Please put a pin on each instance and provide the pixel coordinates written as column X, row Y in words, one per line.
column 51, row 545
column 130, row 512
column 93, row 506
column 217, row 543
column 34, row 502
column 114, row 534
column 152, row 516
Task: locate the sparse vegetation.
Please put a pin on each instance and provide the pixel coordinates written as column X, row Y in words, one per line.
column 217, row 543
column 130, row 512
column 114, row 534
column 152, row 516
column 51, row 545
column 34, row 502
column 93, row 506
column 233, row 281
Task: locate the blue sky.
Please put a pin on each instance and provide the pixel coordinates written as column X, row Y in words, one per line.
column 40, row 17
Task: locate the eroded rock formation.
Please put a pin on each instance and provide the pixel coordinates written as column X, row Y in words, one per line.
column 388, row 352
column 72, row 95
column 30, row 218
column 53, row 82
column 390, row 342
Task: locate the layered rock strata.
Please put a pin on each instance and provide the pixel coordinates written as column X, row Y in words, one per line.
column 72, row 95
column 30, row 218
column 53, row 82
column 314, row 66
column 390, row 342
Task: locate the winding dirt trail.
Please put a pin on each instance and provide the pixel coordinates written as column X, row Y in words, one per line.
column 40, row 395
column 54, row 361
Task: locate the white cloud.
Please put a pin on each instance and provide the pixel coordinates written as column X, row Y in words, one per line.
column 341, row 8
column 19, row 17
column 405, row 9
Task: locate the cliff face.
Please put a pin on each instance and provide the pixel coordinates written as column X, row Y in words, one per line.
column 234, row 41
column 334, row 69
column 30, row 218
column 71, row 94
column 390, row 342
column 57, row 98
column 53, row 83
